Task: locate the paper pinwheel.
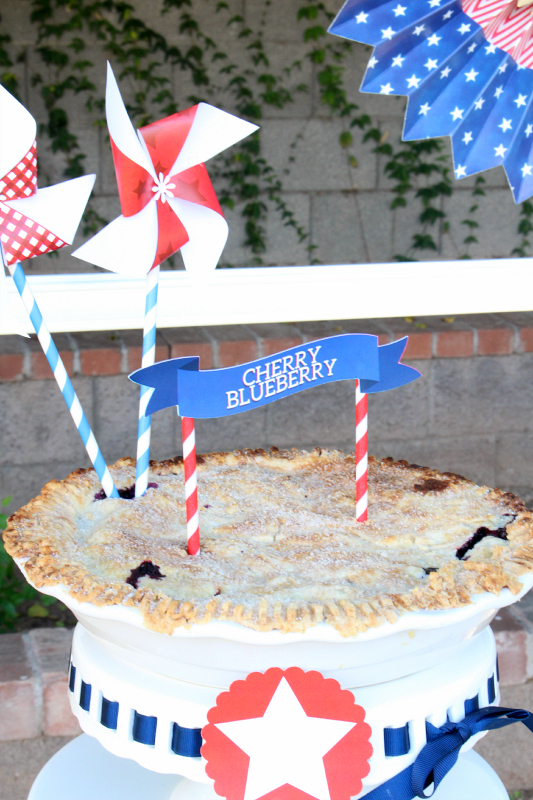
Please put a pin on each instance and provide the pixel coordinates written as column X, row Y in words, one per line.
column 167, row 199
column 32, row 222
column 465, row 70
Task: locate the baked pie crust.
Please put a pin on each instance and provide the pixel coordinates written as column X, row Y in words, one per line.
column 280, row 547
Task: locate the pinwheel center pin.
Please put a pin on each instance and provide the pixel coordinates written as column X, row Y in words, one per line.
column 163, row 188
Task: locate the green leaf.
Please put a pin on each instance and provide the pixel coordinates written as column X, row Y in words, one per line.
column 346, row 139
column 314, row 33
column 38, row 610
column 309, row 12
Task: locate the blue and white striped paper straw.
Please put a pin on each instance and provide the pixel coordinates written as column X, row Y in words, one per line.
column 148, row 358
column 63, row 380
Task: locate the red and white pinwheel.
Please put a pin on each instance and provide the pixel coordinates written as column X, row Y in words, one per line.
column 167, row 199
column 32, row 221
column 506, row 24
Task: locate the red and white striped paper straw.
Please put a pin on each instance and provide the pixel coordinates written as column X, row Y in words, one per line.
column 191, row 483
column 361, row 454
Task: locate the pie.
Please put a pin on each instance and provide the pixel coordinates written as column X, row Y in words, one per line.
column 280, row 545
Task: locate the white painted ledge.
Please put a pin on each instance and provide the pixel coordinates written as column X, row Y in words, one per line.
column 280, row 294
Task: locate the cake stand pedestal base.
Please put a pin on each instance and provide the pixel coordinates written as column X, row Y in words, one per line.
column 84, row 770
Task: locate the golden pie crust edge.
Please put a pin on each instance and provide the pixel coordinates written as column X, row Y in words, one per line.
column 452, row 586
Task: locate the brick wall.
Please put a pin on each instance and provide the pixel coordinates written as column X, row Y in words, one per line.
column 470, row 412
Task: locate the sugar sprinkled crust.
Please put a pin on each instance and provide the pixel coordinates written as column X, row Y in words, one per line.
column 280, row 547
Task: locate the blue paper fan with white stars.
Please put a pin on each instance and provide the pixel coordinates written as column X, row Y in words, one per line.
column 459, row 83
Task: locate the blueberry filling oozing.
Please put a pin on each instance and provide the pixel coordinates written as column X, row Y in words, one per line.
column 144, row 570
column 126, row 494
column 431, row 485
column 481, row 533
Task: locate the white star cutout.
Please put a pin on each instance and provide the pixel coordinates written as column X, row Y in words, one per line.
column 498, row 92
column 445, row 72
column 434, row 39
column 362, row 17
column 500, row 150
column 527, row 170
column 460, row 172
column 505, row 125
column 431, row 63
column 397, row 61
column 472, row 48
column 434, row 3
column 467, row 138
column 387, row 89
column 479, row 103
column 372, row 63
column 490, row 49
column 448, row 14
column 503, row 67
column 418, row 30
column 520, row 100
column 286, row 746
column 399, row 11
column 528, row 131
column 424, row 109
column 457, row 113
column 388, row 33
column 472, row 75
column 464, row 28
column 413, row 81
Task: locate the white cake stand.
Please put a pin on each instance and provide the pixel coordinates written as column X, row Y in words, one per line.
column 111, row 763
column 427, row 666
column 103, row 674
column 84, row 770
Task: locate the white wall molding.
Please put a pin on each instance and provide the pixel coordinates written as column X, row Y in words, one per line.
column 90, row 302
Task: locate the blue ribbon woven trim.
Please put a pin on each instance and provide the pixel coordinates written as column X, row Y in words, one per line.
column 144, row 728
column 440, row 753
column 186, row 741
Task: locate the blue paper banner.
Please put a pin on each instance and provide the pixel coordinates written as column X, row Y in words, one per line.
column 202, row 394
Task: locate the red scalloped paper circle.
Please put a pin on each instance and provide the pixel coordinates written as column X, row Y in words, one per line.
column 346, row 763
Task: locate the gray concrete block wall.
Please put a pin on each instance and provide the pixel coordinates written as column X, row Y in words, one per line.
column 345, row 209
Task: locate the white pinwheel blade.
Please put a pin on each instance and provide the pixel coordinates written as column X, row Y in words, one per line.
column 17, row 131
column 208, row 232
column 211, row 132
column 58, row 208
column 127, row 245
column 120, row 128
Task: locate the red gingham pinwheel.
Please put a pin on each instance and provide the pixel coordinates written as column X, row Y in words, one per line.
column 32, row 222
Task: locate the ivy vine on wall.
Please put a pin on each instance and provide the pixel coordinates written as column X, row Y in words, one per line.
column 248, row 82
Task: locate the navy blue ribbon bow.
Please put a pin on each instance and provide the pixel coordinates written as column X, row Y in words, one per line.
column 441, row 752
